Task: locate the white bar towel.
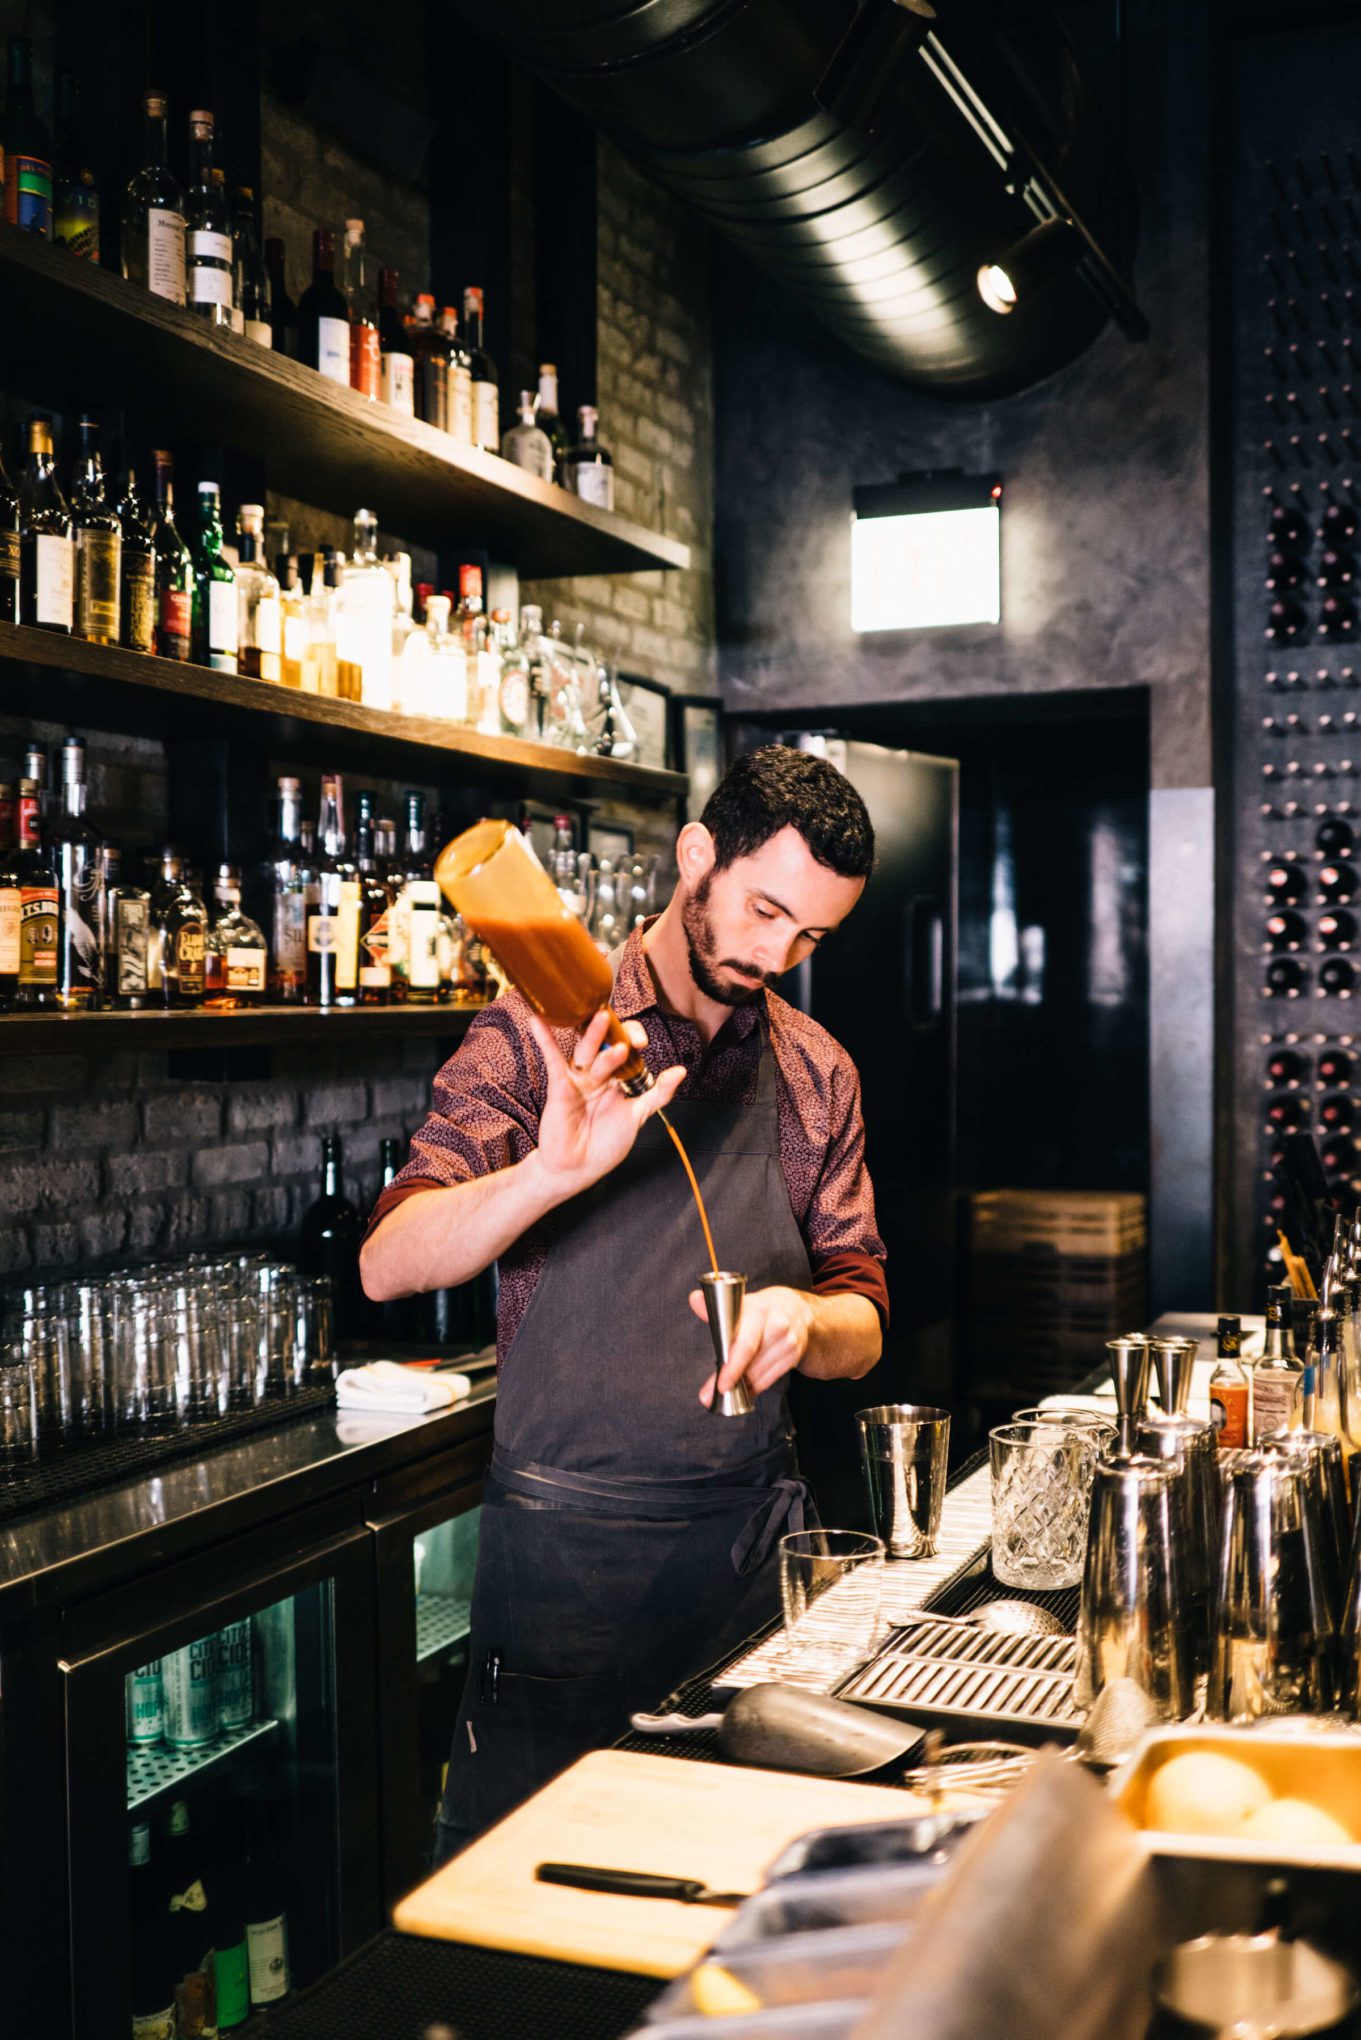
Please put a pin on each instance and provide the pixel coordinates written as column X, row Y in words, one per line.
column 387, row 1385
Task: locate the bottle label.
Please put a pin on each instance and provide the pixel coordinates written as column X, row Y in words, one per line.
column 486, row 416
column 347, row 937
column 76, row 221
column 290, row 934
column 372, row 976
column 333, row 349
column 269, row 632
column 594, row 483
column 1229, row 1414
column 9, row 555
column 38, row 918
column 9, row 931
column 82, row 888
column 245, row 969
column 515, row 699
column 165, row 254
column 210, row 268
column 422, row 965
column 177, row 614
column 28, row 193
column 397, row 385
column 267, row 1954
column 131, row 918
column 366, row 368
column 1272, row 1396
column 55, row 581
column 321, row 934
column 460, row 403
column 222, row 624
column 139, row 603
column 98, row 557
column 190, row 958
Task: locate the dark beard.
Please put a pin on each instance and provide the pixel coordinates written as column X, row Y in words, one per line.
column 699, row 941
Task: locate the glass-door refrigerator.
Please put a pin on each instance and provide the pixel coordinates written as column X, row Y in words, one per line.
column 221, row 1779
column 425, row 1525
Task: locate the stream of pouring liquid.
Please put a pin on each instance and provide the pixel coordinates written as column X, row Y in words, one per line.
column 694, row 1187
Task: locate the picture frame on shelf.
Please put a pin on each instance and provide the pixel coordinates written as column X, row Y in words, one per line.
column 647, row 704
column 697, row 747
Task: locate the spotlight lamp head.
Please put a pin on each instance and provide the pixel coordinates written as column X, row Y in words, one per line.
column 1048, row 251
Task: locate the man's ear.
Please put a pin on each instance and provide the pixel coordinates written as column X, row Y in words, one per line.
column 694, row 855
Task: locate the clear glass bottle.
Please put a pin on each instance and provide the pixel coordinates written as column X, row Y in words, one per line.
column 397, row 365
column 297, row 665
column 514, row 691
column 39, row 904
column 375, row 972
column 526, row 445
column 1276, row 1376
column 127, row 929
column 333, row 918
column 137, row 626
column 368, row 604
column 179, row 929
column 486, row 396
column 236, row 956
column 208, row 227
column 447, row 677
column 588, row 468
column 1229, row 1388
column 75, row 853
column 460, row 380
column 75, row 206
column 47, row 553
column 153, row 245
column 259, row 603
column 530, row 643
column 215, row 621
column 287, row 880
column 250, row 276
column 174, row 569
column 361, row 299
column 549, row 419
column 98, row 534
column 26, row 148
column 328, row 579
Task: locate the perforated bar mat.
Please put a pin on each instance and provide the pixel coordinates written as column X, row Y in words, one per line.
column 398, row 1988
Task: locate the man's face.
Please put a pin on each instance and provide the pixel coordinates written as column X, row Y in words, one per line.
column 748, row 925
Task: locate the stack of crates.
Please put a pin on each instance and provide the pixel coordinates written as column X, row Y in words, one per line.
column 1050, row 1276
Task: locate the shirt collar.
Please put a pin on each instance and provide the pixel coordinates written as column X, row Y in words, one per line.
column 635, row 990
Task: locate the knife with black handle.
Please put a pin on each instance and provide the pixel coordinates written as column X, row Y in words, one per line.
column 635, row 1884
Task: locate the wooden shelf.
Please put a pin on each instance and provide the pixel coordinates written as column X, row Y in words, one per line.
column 71, row 327
column 511, row 761
column 93, row 1033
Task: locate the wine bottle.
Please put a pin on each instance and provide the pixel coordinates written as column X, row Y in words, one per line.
column 208, row 222
column 47, row 556
column 174, row 569
column 137, row 624
column 153, row 247
column 332, row 1233
column 98, row 532
column 323, row 316
column 397, row 368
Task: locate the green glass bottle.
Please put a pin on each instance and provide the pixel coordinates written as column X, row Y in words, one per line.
column 215, row 624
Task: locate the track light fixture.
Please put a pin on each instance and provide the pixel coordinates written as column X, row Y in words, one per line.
column 864, row 66
column 1048, row 251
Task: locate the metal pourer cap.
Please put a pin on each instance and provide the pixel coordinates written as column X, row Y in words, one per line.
column 73, row 762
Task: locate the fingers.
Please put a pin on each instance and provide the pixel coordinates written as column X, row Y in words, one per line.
column 636, row 1033
column 661, row 1093
column 588, row 1047
column 697, row 1305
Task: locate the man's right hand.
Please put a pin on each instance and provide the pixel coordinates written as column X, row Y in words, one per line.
column 588, row 1124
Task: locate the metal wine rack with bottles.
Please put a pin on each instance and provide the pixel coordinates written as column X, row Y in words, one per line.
column 1296, row 825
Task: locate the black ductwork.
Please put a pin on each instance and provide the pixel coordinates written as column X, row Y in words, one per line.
column 981, row 128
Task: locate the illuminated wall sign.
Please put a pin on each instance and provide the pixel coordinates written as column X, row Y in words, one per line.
column 926, row 552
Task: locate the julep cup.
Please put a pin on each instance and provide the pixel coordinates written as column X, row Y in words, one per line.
column 1275, row 1625
column 904, row 1450
column 1041, row 1492
column 1133, row 1621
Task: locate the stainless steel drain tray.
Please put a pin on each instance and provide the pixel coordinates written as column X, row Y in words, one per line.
column 973, row 1682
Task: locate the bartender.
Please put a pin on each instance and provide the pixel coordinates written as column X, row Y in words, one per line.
column 629, row 1532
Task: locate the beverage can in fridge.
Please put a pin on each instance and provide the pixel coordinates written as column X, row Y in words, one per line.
column 190, row 1680
column 236, row 1678
column 144, row 1698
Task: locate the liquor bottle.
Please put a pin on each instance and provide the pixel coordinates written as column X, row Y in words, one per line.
column 1336, row 883
column 447, row 677
column 189, row 1885
column 25, row 149
column 486, row 398
column 1277, row 1372
column 1335, row 1111
column 367, row 606
column 47, row 554
column 1335, row 1066
column 470, row 628
column 1337, row 930
column 235, row 957
column 375, row 972
column 390, row 1160
column 362, row 305
column 9, row 549
column 460, row 373
column 231, row 1956
column 1229, row 1388
column 332, row 1231
column 174, row 569
column 549, row 419
column 137, row 623
column 589, row 469
column 75, row 209
column 417, row 914
column 259, row 620
column 333, row 919
column 328, row 580
column 250, row 285
column 323, row 316
column 1288, row 1113
column 127, row 933
column 397, row 367
column 179, row 928
column 1285, row 883
column 215, row 620
column 293, row 610
column 75, row 853
column 1286, row 931
column 288, row 896
column 269, row 1896
column 526, row 445
column 154, row 1971
column 208, row 223
column 153, row 253
column 9, row 902
column 431, row 357
column 283, row 313
column 39, row 906
column 99, row 545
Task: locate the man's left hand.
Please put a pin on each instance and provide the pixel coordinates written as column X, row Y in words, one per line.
column 772, row 1338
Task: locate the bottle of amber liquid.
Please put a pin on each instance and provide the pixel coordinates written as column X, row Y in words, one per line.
column 1229, row 1388
column 179, row 933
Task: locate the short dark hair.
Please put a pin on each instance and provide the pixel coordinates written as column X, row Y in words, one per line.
column 777, row 788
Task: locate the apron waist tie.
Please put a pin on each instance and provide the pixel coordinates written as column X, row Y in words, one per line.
column 776, row 1496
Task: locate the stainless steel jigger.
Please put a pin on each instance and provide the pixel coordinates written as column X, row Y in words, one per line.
column 723, row 1294
column 1175, row 1362
column 1129, row 1371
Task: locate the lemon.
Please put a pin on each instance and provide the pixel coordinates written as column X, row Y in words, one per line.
column 1295, row 1821
column 1204, row 1794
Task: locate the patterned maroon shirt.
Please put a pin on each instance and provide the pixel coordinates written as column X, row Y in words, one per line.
column 490, row 1093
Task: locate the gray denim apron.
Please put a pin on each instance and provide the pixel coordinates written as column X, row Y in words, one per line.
column 629, row 1536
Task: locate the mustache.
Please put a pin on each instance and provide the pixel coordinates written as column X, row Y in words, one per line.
column 745, row 970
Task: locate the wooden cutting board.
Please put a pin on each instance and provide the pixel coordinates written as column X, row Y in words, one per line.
column 622, row 1810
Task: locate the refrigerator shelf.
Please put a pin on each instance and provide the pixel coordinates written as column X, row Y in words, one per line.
column 442, row 1620
column 159, row 1768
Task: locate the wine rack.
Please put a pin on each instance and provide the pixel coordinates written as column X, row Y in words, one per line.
column 1297, row 635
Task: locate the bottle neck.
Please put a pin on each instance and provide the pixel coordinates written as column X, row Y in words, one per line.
column 155, row 145
column 201, row 160
column 73, row 796
column 330, row 1177
column 290, row 819
column 20, row 80
column 27, row 821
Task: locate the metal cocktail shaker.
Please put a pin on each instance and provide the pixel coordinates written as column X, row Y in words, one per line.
column 1275, row 1627
column 1134, row 1621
